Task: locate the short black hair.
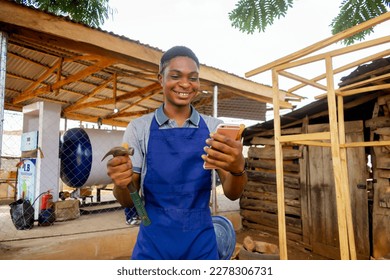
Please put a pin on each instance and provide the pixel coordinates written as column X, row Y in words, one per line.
column 175, row 52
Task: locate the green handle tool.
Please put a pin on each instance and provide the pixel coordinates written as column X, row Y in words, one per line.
column 139, row 206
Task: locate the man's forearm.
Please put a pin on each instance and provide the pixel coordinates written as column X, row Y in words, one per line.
column 233, row 186
column 123, row 196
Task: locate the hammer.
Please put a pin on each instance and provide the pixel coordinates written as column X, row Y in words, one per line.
column 139, row 206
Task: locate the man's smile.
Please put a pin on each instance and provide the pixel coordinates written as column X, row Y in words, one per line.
column 182, row 94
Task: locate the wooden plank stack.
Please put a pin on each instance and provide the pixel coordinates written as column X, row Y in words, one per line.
column 259, row 201
column 380, row 130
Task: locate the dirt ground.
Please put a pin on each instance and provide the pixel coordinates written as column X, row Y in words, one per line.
column 36, row 248
column 91, row 237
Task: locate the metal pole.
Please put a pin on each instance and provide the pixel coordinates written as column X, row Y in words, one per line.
column 3, row 73
column 214, row 173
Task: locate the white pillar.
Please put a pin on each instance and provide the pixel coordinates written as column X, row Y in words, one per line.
column 44, row 117
column 3, row 73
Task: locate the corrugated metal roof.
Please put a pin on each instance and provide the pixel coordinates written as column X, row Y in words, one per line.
column 63, row 63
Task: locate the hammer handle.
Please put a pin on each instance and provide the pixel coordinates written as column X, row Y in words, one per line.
column 139, row 206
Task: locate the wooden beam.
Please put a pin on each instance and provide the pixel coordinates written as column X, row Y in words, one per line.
column 279, row 169
column 106, row 101
column 114, row 90
column 291, row 94
column 223, row 78
column 81, row 35
column 283, row 103
column 305, row 137
column 336, row 162
column 123, row 112
column 346, row 67
column 63, row 90
column 310, row 143
column 357, row 91
column 367, row 144
column 301, row 79
column 94, row 119
column 44, row 76
column 345, row 179
column 321, row 44
column 334, row 53
column 79, row 104
column 365, row 82
column 81, row 74
column 59, row 75
column 361, row 90
column 140, row 91
column 133, row 114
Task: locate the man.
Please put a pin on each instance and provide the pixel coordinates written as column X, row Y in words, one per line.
column 167, row 165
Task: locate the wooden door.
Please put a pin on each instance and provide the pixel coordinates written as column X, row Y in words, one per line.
column 323, row 227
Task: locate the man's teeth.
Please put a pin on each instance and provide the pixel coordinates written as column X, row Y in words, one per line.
column 184, row 94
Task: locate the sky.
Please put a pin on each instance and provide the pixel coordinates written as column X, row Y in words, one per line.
column 204, row 26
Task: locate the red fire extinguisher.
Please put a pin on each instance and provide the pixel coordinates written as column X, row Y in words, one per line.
column 46, row 216
column 47, row 200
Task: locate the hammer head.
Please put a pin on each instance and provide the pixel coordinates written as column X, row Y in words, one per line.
column 119, row 151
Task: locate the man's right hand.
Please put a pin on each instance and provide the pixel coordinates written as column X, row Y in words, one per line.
column 120, row 170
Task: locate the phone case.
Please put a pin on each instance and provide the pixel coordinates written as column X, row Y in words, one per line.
column 233, row 131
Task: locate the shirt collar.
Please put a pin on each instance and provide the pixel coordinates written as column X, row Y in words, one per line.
column 161, row 118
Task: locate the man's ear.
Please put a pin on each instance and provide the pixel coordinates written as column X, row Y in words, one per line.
column 160, row 78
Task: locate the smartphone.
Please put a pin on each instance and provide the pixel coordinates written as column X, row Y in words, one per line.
column 233, row 131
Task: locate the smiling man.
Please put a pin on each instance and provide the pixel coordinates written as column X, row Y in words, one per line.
column 170, row 147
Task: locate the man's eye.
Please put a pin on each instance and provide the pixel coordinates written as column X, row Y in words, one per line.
column 194, row 79
column 175, row 77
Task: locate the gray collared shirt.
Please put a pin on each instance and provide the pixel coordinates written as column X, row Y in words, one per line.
column 138, row 131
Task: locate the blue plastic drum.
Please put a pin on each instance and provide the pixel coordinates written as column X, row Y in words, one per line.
column 76, row 157
column 226, row 237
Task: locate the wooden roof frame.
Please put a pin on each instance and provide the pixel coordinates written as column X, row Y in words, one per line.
column 336, row 136
column 93, row 52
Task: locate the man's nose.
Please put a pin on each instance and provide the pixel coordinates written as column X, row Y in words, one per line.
column 184, row 83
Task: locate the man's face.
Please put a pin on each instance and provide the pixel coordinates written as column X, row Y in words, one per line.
column 180, row 81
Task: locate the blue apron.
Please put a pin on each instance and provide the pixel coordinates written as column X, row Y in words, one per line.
column 177, row 195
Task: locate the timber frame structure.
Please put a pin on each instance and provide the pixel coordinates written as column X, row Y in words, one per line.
column 335, row 138
column 100, row 77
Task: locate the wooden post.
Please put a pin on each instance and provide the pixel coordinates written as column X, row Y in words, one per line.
column 345, row 180
column 279, row 169
column 336, row 161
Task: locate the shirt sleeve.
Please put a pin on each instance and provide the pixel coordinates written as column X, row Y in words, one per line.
column 211, row 122
column 131, row 136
